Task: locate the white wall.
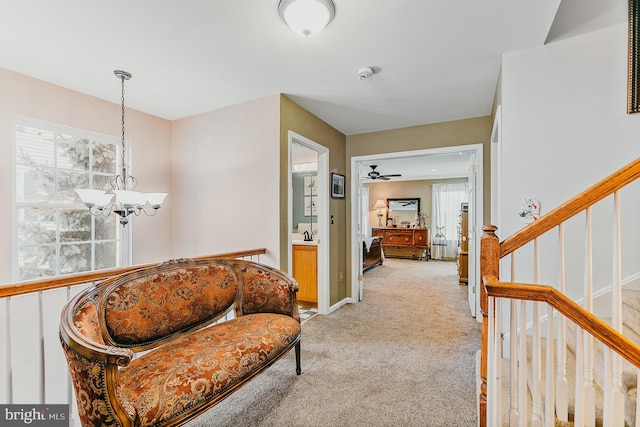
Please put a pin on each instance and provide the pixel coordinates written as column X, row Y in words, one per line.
column 25, row 96
column 225, row 171
column 565, row 128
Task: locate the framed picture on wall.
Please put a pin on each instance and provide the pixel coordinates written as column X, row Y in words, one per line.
column 310, row 186
column 337, row 186
column 310, row 207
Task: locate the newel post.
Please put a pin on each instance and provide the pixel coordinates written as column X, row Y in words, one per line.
column 489, row 266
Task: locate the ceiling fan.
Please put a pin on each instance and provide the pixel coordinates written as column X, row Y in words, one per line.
column 374, row 174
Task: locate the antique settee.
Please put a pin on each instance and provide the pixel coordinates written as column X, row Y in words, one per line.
column 148, row 347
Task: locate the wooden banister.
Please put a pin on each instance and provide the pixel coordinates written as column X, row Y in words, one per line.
column 587, row 321
column 21, row 288
column 589, row 197
column 492, row 251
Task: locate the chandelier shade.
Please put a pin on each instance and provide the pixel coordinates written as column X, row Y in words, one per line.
column 307, row 17
column 127, row 200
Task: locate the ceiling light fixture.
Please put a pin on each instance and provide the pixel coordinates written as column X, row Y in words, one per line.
column 127, row 201
column 307, row 17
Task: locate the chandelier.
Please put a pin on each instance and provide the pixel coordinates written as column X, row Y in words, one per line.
column 127, row 200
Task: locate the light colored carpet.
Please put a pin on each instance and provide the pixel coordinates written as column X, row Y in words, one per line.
column 404, row 356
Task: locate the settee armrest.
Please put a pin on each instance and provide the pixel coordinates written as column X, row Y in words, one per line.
column 267, row 290
column 94, row 369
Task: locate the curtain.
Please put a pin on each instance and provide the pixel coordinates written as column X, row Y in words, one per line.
column 445, row 221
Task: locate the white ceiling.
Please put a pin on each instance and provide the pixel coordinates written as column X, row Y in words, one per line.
column 433, row 166
column 435, row 60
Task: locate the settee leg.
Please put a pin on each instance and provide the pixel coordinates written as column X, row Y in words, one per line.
column 298, row 369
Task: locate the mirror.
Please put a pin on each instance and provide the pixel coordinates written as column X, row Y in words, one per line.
column 402, row 212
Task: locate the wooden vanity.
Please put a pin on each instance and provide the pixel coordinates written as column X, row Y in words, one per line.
column 404, row 242
column 305, row 270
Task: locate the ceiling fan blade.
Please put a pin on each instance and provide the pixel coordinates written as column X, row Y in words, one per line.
column 384, row 178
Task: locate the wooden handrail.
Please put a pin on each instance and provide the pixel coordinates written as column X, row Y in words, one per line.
column 587, row 321
column 21, row 288
column 589, row 197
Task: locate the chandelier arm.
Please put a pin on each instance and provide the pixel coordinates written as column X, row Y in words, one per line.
column 104, row 211
column 147, row 213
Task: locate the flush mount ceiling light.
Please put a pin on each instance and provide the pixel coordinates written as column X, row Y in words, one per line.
column 307, row 17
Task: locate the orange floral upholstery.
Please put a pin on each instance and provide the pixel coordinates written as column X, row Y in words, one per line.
column 155, row 306
column 265, row 291
column 169, row 309
column 183, row 374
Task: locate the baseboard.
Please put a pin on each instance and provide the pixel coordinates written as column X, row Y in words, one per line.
column 340, row 304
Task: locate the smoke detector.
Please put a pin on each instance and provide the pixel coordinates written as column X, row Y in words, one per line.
column 364, row 73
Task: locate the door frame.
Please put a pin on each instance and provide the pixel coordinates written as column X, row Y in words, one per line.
column 474, row 226
column 323, row 214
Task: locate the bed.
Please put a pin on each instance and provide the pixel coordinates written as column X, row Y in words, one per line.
column 371, row 252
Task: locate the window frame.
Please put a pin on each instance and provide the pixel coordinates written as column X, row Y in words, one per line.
column 123, row 235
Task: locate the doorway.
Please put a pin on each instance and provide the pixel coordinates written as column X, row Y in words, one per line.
column 475, row 175
column 318, row 218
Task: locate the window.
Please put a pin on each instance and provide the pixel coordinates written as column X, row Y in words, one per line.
column 54, row 233
column 446, row 205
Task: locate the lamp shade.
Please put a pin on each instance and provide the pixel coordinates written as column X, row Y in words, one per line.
column 307, row 17
column 380, row 204
column 92, row 197
column 155, row 199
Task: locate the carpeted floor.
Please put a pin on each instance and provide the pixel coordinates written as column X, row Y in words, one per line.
column 404, row 356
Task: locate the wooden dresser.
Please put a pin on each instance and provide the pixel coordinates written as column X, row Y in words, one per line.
column 404, row 242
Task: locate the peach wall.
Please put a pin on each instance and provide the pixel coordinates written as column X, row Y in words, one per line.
column 151, row 142
column 226, row 178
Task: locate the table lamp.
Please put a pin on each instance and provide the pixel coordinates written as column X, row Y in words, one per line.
column 380, row 205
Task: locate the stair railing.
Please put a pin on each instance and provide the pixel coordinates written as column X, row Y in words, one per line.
column 32, row 365
column 525, row 325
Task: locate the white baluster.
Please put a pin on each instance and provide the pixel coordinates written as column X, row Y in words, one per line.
column 617, row 395
column 562, row 385
column 491, row 384
column 589, row 389
column 607, row 390
column 549, row 397
column 522, row 374
column 513, row 363
column 578, row 418
column 536, row 392
column 497, row 354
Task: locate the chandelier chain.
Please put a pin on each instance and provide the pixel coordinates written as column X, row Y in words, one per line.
column 122, row 78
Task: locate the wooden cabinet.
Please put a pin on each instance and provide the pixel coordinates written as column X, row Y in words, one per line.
column 404, row 242
column 463, row 245
column 305, row 271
